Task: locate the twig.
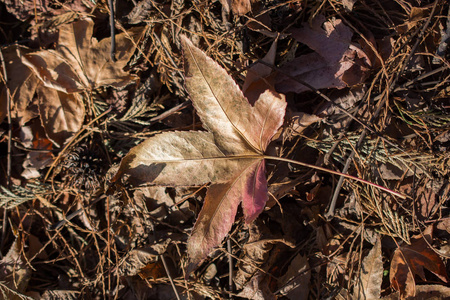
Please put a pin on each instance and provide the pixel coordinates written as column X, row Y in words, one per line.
column 335, row 173
column 113, row 30
column 108, row 246
column 8, row 164
column 329, row 214
column 170, row 277
column 230, row 270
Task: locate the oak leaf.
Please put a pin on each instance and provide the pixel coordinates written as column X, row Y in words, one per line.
column 230, row 154
column 410, row 260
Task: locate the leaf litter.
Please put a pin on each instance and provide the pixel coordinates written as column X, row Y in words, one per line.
column 197, row 99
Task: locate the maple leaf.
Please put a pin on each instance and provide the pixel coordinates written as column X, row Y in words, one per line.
column 230, row 154
column 409, row 260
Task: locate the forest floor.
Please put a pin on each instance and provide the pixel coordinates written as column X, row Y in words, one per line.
column 366, row 88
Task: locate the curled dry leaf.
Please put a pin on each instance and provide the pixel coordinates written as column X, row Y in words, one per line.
column 61, row 114
column 21, row 84
column 230, row 154
column 409, row 261
column 336, row 63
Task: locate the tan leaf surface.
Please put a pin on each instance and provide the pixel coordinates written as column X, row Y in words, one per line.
column 61, row 114
column 295, row 283
column 80, row 62
column 180, row 159
column 229, row 154
column 369, row 281
column 410, row 260
column 21, row 83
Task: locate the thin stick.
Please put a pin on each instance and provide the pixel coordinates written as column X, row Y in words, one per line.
column 230, row 268
column 108, row 226
column 8, row 163
column 335, row 173
column 170, row 277
column 113, row 30
column 332, row 206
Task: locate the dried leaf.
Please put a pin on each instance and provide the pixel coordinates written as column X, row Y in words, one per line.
column 257, row 288
column 295, row 283
column 135, row 261
column 336, row 63
column 80, row 62
column 370, row 278
column 425, row 292
column 255, row 253
column 61, row 114
column 21, row 84
column 14, row 272
column 257, row 79
column 33, row 137
column 229, row 154
column 409, row 261
column 239, row 7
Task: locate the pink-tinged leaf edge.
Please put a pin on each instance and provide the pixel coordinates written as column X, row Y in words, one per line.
column 223, row 199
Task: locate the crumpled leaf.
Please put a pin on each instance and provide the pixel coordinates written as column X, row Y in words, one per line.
column 21, row 83
column 336, row 63
column 257, row 288
column 229, row 154
column 255, row 253
column 409, row 261
column 61, row 114
column 425, row 292
column 33, row 137
column 239, row 7
column 368, row 285
column 14, row 272
column 80, row 62
column 258, row 77
column 295, row 283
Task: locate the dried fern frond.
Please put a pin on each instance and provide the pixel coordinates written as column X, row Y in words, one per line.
column 18, row 195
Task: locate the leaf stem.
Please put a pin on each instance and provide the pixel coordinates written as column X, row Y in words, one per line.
column 335, row 173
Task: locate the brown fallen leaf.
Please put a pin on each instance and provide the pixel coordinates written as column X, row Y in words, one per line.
column 425, row 292
column 368, row 284
column 336, row 62
column 21, row 84
column 258, row 77
column 409, row 261
column 230, row 154
column 14, row 272
column 295, row 283
column 239, row 7
column 33, row 137
column 80, row 62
